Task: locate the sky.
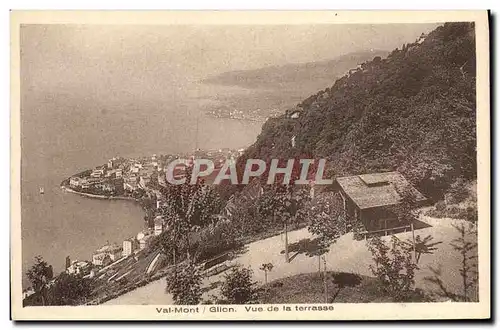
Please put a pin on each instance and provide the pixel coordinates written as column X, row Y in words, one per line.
column 160, row 59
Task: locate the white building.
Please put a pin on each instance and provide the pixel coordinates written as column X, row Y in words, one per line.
column 97, row 173
column 75, row 181
column 129, row 246
column 114, row 252
column 158, row 225
column 79, row 267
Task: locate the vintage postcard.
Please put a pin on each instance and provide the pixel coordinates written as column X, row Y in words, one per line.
column 315, row 165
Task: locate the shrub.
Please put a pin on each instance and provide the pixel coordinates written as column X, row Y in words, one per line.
column 238, row 287
column 393, row 267
column 185, row 285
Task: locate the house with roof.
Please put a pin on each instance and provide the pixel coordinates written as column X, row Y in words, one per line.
column 112, row 252
column 79, row 268
column 97, row 173
column 76, row 181
column 371, row 198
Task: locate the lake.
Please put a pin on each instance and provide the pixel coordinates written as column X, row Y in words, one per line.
column 64, row 133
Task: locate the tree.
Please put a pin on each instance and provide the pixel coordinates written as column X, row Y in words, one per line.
column 250, row 213
column 283, row 202
column 327, row 218
column 171, row 241
column 39, row 275
column 238, row 287
column 71, row 289
column 185, row 285
column 422, row 246
column 393, row 267
column 405, row 214
column 189, row 207
column 466, row 245
column 266, row 268
column 327, row 221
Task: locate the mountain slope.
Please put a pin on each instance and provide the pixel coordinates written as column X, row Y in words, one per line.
column 413, row 111
column 277, row 77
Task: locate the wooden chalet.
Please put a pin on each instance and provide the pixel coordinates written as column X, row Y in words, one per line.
column 369, row 198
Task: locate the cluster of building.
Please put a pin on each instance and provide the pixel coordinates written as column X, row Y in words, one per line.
column 110, row 253
column 122, row 176
column 140, row 173
column 134, row 174
column 254, row 114
column 143, row 238
column 107, row 178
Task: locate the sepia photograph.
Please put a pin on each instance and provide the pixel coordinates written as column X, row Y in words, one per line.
column 246, row 165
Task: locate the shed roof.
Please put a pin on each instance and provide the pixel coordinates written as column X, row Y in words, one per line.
column 377, row 189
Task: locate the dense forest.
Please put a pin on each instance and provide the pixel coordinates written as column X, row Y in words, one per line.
column 413, row 111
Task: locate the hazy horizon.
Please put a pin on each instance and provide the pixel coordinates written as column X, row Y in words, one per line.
column 145, row 58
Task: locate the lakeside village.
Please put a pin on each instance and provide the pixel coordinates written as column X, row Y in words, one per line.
column 256, row 115
column 123, row 178
column 138, row 180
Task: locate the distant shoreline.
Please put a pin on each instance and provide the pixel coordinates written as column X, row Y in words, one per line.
column 239, row 119
column 66, row 188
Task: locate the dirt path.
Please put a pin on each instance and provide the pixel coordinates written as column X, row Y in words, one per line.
column 346, row 255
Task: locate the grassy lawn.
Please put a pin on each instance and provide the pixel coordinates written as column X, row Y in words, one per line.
column 309, row 288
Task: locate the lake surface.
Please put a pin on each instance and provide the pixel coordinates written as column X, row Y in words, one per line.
column 65, row 132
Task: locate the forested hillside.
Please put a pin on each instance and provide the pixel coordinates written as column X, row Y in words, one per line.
column 290, row 75
column 414, row 111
